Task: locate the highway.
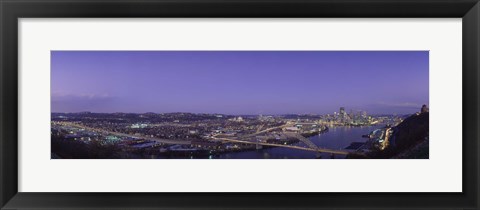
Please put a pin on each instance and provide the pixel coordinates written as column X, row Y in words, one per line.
column 158, row 140
column 386, row 141
column 266, row 130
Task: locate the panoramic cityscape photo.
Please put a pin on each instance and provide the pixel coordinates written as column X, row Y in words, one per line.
column 239, row 104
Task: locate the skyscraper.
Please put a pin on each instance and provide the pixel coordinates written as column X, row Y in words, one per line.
column 343, row 114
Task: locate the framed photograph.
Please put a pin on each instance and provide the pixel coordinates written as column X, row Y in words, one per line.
column 226, row 104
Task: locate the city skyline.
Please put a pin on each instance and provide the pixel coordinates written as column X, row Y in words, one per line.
column 239, row 82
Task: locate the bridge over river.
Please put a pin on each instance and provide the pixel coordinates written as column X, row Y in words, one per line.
column 311, row 146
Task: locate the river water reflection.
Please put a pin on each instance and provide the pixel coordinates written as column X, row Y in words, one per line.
column 335, row 138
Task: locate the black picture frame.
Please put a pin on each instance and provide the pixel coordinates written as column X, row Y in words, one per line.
column 11, row 10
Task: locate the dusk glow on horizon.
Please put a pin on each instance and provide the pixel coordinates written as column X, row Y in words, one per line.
column 239, row 82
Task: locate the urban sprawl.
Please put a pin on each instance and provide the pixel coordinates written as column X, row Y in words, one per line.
column 188, row 135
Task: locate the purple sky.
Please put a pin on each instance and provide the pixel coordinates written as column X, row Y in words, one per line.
column 239, row 82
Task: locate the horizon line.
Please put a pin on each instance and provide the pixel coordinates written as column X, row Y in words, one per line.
column 207, row 113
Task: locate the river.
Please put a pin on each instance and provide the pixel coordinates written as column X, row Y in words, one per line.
column 335, row 138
